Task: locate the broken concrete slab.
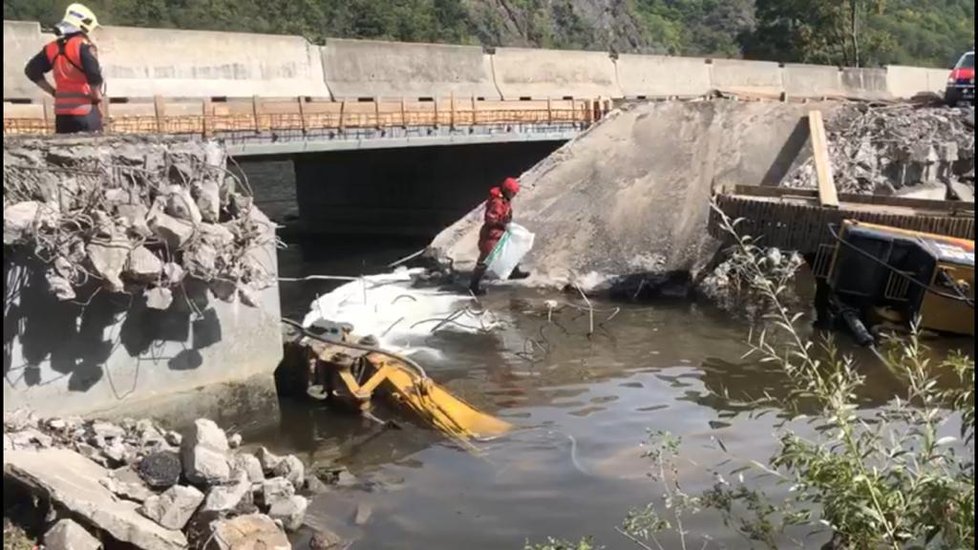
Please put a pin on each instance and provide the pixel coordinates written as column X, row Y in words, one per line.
column 290, row 511
column 143, row 266
column 72, row 481
column 69, row 535
column 251, row 466
column 267, row 459
column 204, row 453
column 221, row 498
column 174, row 507
column 251, row 532
column 208, row 200
column 126, row 483
column 158, row 298
column 174, row 232
column 276, row 490
column 291, row 468
column 181, row 205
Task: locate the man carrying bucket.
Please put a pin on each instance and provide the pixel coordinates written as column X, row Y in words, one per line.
column 499, row 212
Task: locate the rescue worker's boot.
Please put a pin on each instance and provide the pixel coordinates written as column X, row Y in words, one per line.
column 475, row 283
column 518, row 273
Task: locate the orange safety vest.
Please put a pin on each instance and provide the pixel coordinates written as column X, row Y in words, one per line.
column 73, row 94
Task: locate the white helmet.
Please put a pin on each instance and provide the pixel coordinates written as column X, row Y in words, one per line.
column 77, row 16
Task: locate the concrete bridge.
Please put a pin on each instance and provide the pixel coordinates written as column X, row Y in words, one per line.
column 335, row 122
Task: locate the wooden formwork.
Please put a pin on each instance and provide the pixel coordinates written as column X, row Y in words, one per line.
column 794, row 220
column 210, row 116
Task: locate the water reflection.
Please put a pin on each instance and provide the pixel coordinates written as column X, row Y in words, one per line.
column 583, row 405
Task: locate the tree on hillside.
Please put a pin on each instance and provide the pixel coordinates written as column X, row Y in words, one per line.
column 832, row 32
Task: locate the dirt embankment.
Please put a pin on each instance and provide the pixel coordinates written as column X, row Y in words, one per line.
column 630, row 195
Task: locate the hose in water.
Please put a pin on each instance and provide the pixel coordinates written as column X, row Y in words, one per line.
column 305, row 332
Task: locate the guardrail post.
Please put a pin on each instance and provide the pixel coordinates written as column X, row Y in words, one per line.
column 451, row 111
column 256, row 110
column 302, row 114
column 48, row 108
column 550, row 111
column 377, row 112
column 159, row 108
column 404, row 123
column 435, row 123
column 474, row 120
column 342, row 112
column 206, row 111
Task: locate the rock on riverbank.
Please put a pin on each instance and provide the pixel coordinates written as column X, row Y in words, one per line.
column 137, row 483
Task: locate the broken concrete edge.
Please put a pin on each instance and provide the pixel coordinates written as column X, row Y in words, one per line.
column 171, row 507
column 206, row 224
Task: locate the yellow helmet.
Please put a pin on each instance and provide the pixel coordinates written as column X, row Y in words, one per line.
column 80, row 17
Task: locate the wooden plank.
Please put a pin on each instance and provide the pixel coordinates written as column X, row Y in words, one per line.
column 827, row 194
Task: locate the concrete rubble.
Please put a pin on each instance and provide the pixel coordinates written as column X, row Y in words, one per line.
column 896, row 150
column 620, row 206
column 139, row 484
column 132, row 214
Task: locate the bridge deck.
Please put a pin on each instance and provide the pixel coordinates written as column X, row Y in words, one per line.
column 275, row 125
column 793, row 219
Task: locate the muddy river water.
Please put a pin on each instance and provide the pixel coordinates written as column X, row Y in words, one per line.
column 582, row 405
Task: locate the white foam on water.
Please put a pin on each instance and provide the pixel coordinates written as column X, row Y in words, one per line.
column 401, row 317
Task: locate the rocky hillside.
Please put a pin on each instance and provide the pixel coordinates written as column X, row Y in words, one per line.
column 918, row 32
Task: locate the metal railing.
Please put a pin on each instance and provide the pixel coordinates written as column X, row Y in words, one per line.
column 315, row 117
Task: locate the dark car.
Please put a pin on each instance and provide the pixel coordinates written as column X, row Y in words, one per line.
column 961, row 81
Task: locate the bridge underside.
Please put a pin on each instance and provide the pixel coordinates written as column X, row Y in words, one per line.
column 409, row 191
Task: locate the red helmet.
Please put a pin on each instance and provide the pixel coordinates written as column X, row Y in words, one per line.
column 511, row 186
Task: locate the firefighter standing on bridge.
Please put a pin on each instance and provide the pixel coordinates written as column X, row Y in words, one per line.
column 499, row 212
column 77, row 90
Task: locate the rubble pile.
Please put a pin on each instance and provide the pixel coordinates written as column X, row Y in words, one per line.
column 136, row 483
column 134, row 215
column 891, row 149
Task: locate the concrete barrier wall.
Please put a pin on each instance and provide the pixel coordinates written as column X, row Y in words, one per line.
column 907, row 82
column 365, row 68
column 538, row 74
column 21, row 41
column 754, row 77
column 661, row 76
column 146, row 62
column 812, row 81
column 865, row 83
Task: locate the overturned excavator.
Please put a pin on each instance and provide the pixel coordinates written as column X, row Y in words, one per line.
column 339, row 366
column 876, row 260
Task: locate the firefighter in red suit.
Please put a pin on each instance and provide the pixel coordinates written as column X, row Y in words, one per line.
column 499, row 212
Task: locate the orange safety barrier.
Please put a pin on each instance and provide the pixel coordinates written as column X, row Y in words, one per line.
column 256, row 115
